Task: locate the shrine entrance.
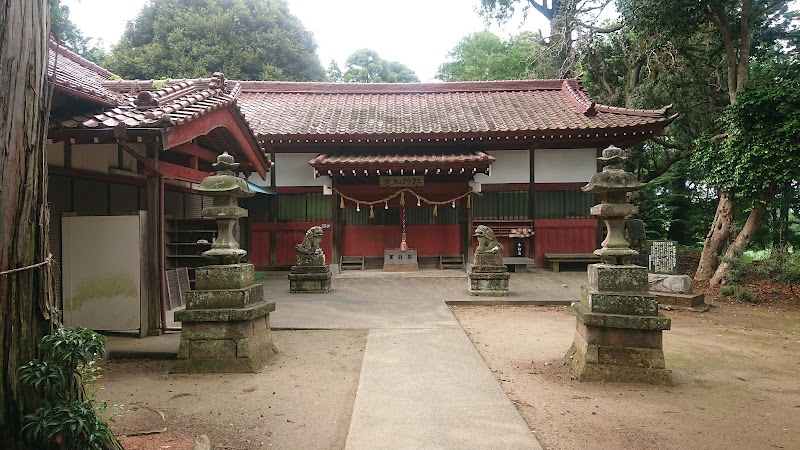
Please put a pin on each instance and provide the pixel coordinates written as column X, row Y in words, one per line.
column 402, row 209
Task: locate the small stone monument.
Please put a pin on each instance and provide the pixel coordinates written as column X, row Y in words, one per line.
column 488, row 276
column 225, row 326
column 618, row 329
column 310, row 275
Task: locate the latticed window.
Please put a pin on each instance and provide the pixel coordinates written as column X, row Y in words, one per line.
column 501, row 205
column 571, row 204
column 304, row 207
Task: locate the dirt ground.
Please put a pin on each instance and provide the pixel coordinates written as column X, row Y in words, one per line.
column 302, row 400
column 736, row 370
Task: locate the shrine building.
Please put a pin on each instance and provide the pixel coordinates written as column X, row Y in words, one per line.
column 367, row 162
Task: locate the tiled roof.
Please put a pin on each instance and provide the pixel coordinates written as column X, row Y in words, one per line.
column 176, row 104
column 79, row 77
column 460, row 162
column 285, row 111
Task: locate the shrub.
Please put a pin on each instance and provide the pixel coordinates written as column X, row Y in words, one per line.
column 727, row 291
column 747, row 296
column 740, row 269
column 64, row 376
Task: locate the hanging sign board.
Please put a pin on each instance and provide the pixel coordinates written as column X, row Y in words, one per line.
column 402, row 182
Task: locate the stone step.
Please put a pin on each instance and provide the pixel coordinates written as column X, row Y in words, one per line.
column 685, row 300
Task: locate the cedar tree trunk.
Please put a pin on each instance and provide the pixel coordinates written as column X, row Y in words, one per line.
column 741, row 242
column 26, row 295
column 717, row 237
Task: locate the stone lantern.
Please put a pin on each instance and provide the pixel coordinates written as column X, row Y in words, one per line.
column 619, row 329
column 225, row 326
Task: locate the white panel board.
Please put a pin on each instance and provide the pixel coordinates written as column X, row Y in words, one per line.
column 564, row 165
column 510, row 166
column 101, row 272
column 94, row 157
column 292, row 169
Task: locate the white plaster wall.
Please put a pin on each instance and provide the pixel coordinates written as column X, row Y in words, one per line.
column 55, row 153
column 292, row 169
column 94, row 157
column 564, row 165
column 510, row 166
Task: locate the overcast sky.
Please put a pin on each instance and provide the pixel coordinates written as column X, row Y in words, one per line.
column 417, row 33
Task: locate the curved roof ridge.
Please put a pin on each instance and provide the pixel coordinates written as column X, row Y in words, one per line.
column 305, row 87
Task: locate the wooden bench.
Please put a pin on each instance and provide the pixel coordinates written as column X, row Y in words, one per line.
column 554, row 259
column 518, row 263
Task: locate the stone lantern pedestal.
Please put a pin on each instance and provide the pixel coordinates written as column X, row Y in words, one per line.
column 225, row 326
column 618, row 326
column 310, row 275
column 488, row 276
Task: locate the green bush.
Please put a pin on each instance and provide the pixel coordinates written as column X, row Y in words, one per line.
column 64, row 376
column 782, row 266
column 741, row 268
column 747, row 296
column 727, row 291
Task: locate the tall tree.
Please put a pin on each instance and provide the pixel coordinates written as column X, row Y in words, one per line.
column 245, row 39
column 758, row 156
column 736, row 26
column 366, row 66
column 569, row 20
column 484, row 56
column 67, row 33
column 26, row 300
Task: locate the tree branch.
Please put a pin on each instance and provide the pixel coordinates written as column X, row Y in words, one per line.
column 543, row 9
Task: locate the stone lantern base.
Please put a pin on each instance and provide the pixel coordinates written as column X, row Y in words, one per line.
column 226, row 322
column 488, row 276
column 618, row 333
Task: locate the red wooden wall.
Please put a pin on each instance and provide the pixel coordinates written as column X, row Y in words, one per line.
column 287, row 235
column 429, row 240
column 564, row 236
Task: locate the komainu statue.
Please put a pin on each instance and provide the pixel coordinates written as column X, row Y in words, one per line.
column 311, row 241
column 487, row 243
column 488, row 275
column 310, row 274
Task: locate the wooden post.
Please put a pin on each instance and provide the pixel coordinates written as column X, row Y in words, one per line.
column 336, row 227
column 532, row 202
column 154, row 188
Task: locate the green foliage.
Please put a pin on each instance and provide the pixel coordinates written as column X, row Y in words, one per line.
column 65, row 31
column 759, row 152
column 747, row 296
column 366, row 66
column 245, row 39
column 334, row 73
column 484, row 56
column 741, row 268
column 727, row 291
column 68, row 417
column 782, row 266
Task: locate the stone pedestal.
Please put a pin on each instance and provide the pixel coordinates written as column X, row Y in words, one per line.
column 675, row 292
column 618, row 328
column 398, row 260
column 488, row 276
column 225, row 326
column 310, row 279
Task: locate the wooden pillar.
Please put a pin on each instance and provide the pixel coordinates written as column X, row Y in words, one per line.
column 154, row 193
column 532, row 202
column 336, row 226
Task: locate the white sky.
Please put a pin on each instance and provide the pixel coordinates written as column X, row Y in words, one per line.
column 417, row 33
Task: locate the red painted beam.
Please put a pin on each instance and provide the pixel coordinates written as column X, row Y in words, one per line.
column 180, row 173
column 225, row 118
column 190, row 149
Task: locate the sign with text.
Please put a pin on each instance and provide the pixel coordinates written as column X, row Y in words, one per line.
column 663, row 257
column 402, row 181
